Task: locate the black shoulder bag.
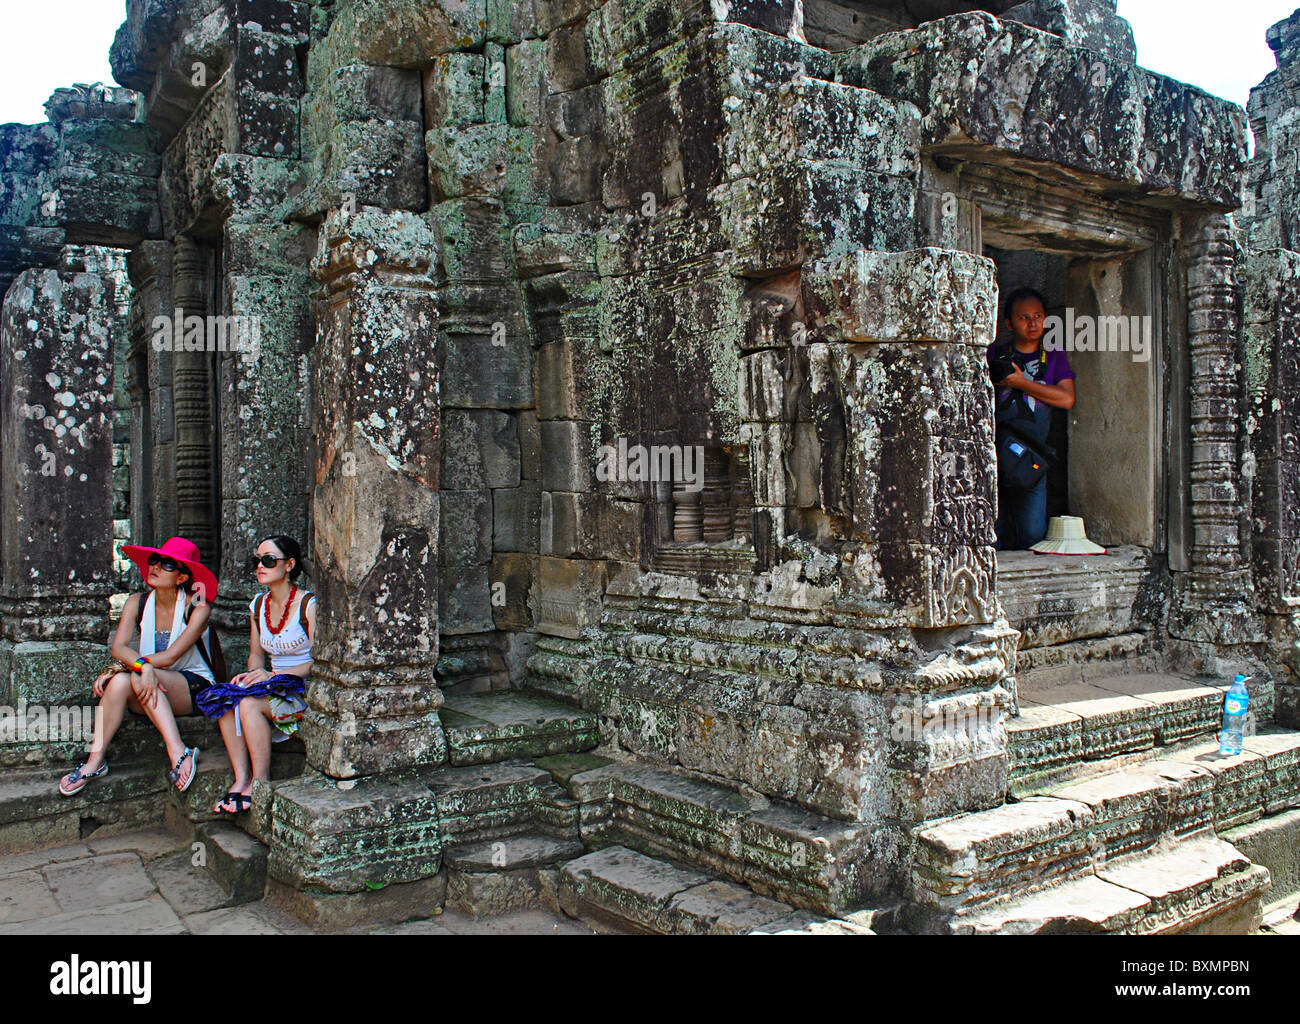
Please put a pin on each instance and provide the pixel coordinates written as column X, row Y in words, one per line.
column 1022, row 460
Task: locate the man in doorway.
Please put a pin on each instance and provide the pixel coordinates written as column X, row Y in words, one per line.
column 1030, row 382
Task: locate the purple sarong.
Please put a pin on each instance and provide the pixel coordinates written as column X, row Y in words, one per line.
column 219, row 698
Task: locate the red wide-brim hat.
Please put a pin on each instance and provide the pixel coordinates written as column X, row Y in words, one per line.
column 178, row 549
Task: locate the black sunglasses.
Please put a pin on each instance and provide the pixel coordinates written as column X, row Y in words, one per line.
column 265, row 561
column 165, row 564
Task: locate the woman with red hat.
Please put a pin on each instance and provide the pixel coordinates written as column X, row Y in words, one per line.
column 168, row 666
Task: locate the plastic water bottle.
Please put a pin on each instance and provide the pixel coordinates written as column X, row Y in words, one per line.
column 1235, row 704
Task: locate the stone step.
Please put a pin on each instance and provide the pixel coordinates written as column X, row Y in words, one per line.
column 623, row 890
column 64, row 744
column 234, row 859
column 1281, row 917
column 1067, row 831
column 1063, row 728
column 214, row 779
column 512, row 873
column 783, row 852
column 33, row 814
column 1274, row 842
column 508, row 724
column 483, row 803
column 1198, row 885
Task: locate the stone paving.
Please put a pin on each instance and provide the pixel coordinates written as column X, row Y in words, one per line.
column 145, row 882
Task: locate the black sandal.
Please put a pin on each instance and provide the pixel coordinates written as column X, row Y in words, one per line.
column 241, row 801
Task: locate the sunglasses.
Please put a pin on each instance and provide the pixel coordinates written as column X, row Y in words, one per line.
column 265, row 561
column 165, row 564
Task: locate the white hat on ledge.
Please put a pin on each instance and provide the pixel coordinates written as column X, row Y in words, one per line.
column 1065, row 536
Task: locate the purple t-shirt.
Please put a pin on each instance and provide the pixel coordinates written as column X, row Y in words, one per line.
column 1056, row 369
column 1053, row 371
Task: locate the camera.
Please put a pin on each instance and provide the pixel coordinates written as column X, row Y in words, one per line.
column 1000, row 368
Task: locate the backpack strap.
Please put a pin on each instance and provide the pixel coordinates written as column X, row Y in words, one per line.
column 199, row 644
column 139, row 610
column 307, row 598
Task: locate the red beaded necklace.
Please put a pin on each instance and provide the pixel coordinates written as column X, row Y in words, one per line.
column 275, row 630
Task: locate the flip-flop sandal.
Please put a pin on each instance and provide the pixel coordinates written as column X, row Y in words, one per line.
column 80, row 778
column 175, row 773
column 241, row 801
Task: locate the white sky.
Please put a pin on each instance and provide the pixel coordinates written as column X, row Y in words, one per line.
column 1215, row 44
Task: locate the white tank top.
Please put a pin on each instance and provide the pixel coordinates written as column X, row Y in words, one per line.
column 291, row 647
column 191, row 661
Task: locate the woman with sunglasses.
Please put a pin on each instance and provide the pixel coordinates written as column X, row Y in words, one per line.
column 161, row 675
column 259, row 706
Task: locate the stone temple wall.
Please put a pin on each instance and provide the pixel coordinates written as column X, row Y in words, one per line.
column 496, row 249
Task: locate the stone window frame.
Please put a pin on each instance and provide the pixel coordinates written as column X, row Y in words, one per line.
column 1061, row 216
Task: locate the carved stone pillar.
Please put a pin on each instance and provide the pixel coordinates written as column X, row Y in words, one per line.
column 903, row 410
column 192, row 391
column 373, row 699
column 57, row 333
column 1211, row 601
column 1271, row 283
column 149, row 385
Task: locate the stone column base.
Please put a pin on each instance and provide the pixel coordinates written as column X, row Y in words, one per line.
column 50, row 673
column 358, row 838
column 332, row 912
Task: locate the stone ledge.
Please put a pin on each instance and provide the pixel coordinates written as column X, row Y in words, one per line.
column 483, row 728
column 982, row 84
column 632, row 891
column 339, row 911
column 1199, row 885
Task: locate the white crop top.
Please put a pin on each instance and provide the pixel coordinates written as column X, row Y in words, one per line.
column 291, row 647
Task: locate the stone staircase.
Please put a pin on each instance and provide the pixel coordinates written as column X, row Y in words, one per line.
column 677, row 855
column 33, row 814
column 1065, row 729
column 1123, row 819
column 503, row 821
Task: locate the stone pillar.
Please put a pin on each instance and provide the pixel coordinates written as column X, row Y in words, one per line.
column 192, row 391
column 1210, row 600
column 373, row 699
column 904, row 415
column 57, row 333
column 265, row 425
column 153, row 484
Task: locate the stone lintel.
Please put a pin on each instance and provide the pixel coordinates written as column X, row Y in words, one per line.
column 1076, row 108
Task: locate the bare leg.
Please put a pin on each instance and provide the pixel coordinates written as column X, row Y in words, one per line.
column 108, row 718
column 254, row 713
column 237, row 748
column 117, row 697
column 173, row 701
